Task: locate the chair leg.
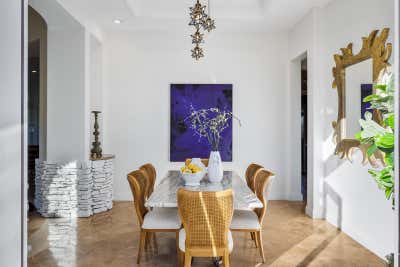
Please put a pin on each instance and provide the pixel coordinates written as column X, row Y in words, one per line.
column 141, row 245
column 155, row 241
column 252, row 236
column 256, row 239
column 260, row 245
column 188, row 259
column 147, row 240
column 178, row 251
column 226, row 259
column 181, row 258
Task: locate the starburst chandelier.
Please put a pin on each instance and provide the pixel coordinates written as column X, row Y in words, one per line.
column 200, row 20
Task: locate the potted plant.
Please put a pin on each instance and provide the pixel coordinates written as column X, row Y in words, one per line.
column 381, row 136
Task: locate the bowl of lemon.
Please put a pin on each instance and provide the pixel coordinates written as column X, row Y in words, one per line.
column 192, row 174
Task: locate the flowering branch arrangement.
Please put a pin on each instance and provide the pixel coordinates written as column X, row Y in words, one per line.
column 210, row 123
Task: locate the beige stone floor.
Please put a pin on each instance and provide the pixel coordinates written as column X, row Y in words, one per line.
column 111, row 239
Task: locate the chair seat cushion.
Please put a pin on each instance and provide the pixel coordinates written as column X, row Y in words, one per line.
column 162, row 218
column 245, row 219
column 182, row 239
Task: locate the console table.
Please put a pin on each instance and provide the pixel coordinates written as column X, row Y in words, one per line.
column 74, row 189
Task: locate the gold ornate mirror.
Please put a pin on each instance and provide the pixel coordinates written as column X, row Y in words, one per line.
column 351, row 69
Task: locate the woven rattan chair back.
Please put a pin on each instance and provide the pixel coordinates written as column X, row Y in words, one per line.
column 206, row 217
column 251, row 174
column 151, row 175
column 204, row 161
column 138, row 183
column 262, row 183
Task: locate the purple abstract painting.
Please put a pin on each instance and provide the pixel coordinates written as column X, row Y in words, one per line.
column 366, row 90
column 184, row 142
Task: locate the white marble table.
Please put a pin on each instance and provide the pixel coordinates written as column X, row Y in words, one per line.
column 164, row 195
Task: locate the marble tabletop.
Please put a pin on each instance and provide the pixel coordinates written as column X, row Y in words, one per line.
column 164, row 195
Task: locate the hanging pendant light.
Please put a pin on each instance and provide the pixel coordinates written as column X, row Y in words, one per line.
column 197, row 37
column 200, row 20
column 197, row 52
column 209, row 23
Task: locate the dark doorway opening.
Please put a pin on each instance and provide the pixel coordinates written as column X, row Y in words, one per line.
column 33, row 114
column 304, row 129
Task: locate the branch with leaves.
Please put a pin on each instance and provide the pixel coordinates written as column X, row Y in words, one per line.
column 381, row 137
column 210, row 123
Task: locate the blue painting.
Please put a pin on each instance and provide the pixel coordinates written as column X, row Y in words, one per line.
column 184, row 142
column 366, row 90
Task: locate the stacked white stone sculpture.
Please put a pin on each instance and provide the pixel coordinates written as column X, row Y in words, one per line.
column 74, row 189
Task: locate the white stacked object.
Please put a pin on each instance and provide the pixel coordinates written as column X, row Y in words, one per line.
column 74, row 189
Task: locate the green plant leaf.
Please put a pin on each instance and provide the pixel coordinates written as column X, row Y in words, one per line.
column 370, row 127
column 371, row 150
column 358, row 136
column 390, row 120
column 371, row 98
column 389, row 159
column 380, row 87
column 385, row 141
column 388, row 192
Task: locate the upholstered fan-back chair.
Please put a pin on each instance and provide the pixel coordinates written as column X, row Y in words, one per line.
column 151, row 175
column 150, row 221
column 206, row 217
column 251, row 220
column 204, row 161
column 251, row 171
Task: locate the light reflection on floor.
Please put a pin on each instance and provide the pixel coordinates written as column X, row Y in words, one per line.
column 111, row 239
column 61, row 240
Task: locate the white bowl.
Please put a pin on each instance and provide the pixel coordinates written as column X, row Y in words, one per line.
column 192, row 179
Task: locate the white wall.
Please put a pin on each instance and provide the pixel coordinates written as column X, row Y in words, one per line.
column 345, row 193
column 302, row 43
column 68, row 86
column 65, row 95
column 139, row 68
column 96, row 84
column 10, row 134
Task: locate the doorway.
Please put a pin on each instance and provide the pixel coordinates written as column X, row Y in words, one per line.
column 37, row 98
column 33, row 115
column 304, row 130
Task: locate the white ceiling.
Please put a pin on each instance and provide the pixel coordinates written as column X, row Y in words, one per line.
column 172, row 15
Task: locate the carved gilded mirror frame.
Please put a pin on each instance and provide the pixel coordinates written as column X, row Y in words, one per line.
column 373, row 47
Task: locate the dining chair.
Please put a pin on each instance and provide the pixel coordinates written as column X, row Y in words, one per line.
column 204, row 161
column 150, row 221
column 206, row 217
column 251, row 220
column 151, row 174
column 250, row 174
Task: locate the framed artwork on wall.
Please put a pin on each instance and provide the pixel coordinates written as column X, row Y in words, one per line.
column 366, row 90
column 184, row 143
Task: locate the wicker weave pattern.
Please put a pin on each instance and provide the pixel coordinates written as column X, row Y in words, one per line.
column 151, row 175
column 262, row 181
column 206, row 217
column 251, row 172
column 204, row 161
column 139, row 184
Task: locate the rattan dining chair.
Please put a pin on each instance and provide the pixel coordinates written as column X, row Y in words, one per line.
column 249, row 220
column 204, row 161
column 251, row 173
column 150, row 221
column 151, row 175
column 206, row 217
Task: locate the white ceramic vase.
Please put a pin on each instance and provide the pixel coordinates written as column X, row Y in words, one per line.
column 215, row 170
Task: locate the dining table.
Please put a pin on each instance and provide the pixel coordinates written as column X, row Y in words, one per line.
column 164, row 195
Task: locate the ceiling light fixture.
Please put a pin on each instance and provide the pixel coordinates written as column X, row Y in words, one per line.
column 199, row 19
column 117, row 21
